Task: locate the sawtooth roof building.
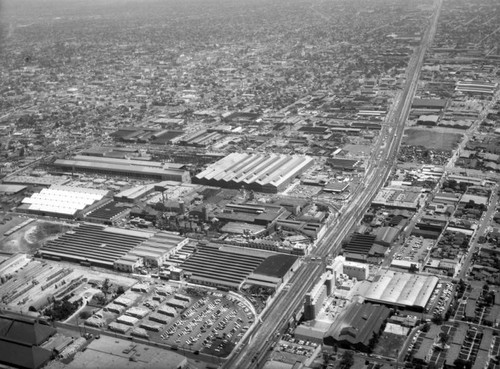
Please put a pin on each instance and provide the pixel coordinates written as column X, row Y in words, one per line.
column 404, row 290
column 95, row 244
column 263, row 172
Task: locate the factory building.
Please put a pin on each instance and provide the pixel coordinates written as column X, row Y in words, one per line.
column 316, row 297
column 355, row 270
column 93, row 244
column 274, row 271
column 270, row 173
column 357, row 325
column 476, row 87
column 123, row 167
column 404, row 290
column 400, row 197
column 219, row 266
column 23, row 341
column 155, row 250
column 62, row 201
column 128, row 263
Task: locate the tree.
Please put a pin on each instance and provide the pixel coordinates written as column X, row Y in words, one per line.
column 85, row 315
column 120, row 290
column 61, row 310
column 105, row 288
column 437, row 319
column 443, row 339
column 347, row 359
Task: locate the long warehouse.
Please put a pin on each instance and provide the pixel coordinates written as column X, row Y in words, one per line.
column 406, row 290
column 263, row 172
column 126, row 168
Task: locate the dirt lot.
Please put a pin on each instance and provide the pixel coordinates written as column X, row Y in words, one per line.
column 431, row 138
column 30, row 237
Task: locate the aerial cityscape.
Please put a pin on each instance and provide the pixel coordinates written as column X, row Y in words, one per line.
column 277, row 184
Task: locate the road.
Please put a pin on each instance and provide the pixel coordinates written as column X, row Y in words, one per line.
column 483, row 225
column 255, row 348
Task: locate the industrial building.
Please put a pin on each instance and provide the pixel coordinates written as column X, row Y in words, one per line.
column 123, row 167
column 476, row 87
column 359, row 271
column 263, row 172
column 62, row 201
column 260, row 214
column 107, row 213
column 344, row 164
column 135, row 193
column 274, row 271
column 93, row 244
column 405, row 290
column 429, row 103
column 404, row 197
column 21, row 341
column 359, row 247
column 155, row 250
column 115, row 353
column 219, row 266
column 357, row 325
column 314, row 299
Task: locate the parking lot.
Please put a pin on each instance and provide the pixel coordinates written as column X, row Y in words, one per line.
column 290, row 350
column 441, row 298
column 212, row 325
column 187, row 319
column 414, row 249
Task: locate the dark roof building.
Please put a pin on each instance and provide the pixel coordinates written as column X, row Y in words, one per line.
column 343, row 163
column 108, row 213
column 359, row 246
column 20, row 340
column 274, row 270
column 216, row 265
column 429, row 103
column 95, row 244
column 356, row 325
column 262, row 214
column 130, row 168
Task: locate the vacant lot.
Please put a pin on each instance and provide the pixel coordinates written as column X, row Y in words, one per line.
column 431, row 138
column 30, row 237
column 389, row 345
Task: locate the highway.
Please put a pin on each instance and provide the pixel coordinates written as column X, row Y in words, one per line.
column 252, row 351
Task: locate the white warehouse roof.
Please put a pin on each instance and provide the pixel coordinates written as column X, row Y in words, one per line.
column 402, row 289
column 65, row 200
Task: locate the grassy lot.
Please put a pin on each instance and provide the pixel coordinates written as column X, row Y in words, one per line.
column 389, row 345
column 431, row 138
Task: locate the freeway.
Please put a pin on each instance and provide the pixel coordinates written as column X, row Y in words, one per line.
column 255, row 347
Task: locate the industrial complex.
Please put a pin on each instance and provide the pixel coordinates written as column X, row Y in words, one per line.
column 279, row 184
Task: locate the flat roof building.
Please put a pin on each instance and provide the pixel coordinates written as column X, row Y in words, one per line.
column 127, row 168
column 399, row 289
